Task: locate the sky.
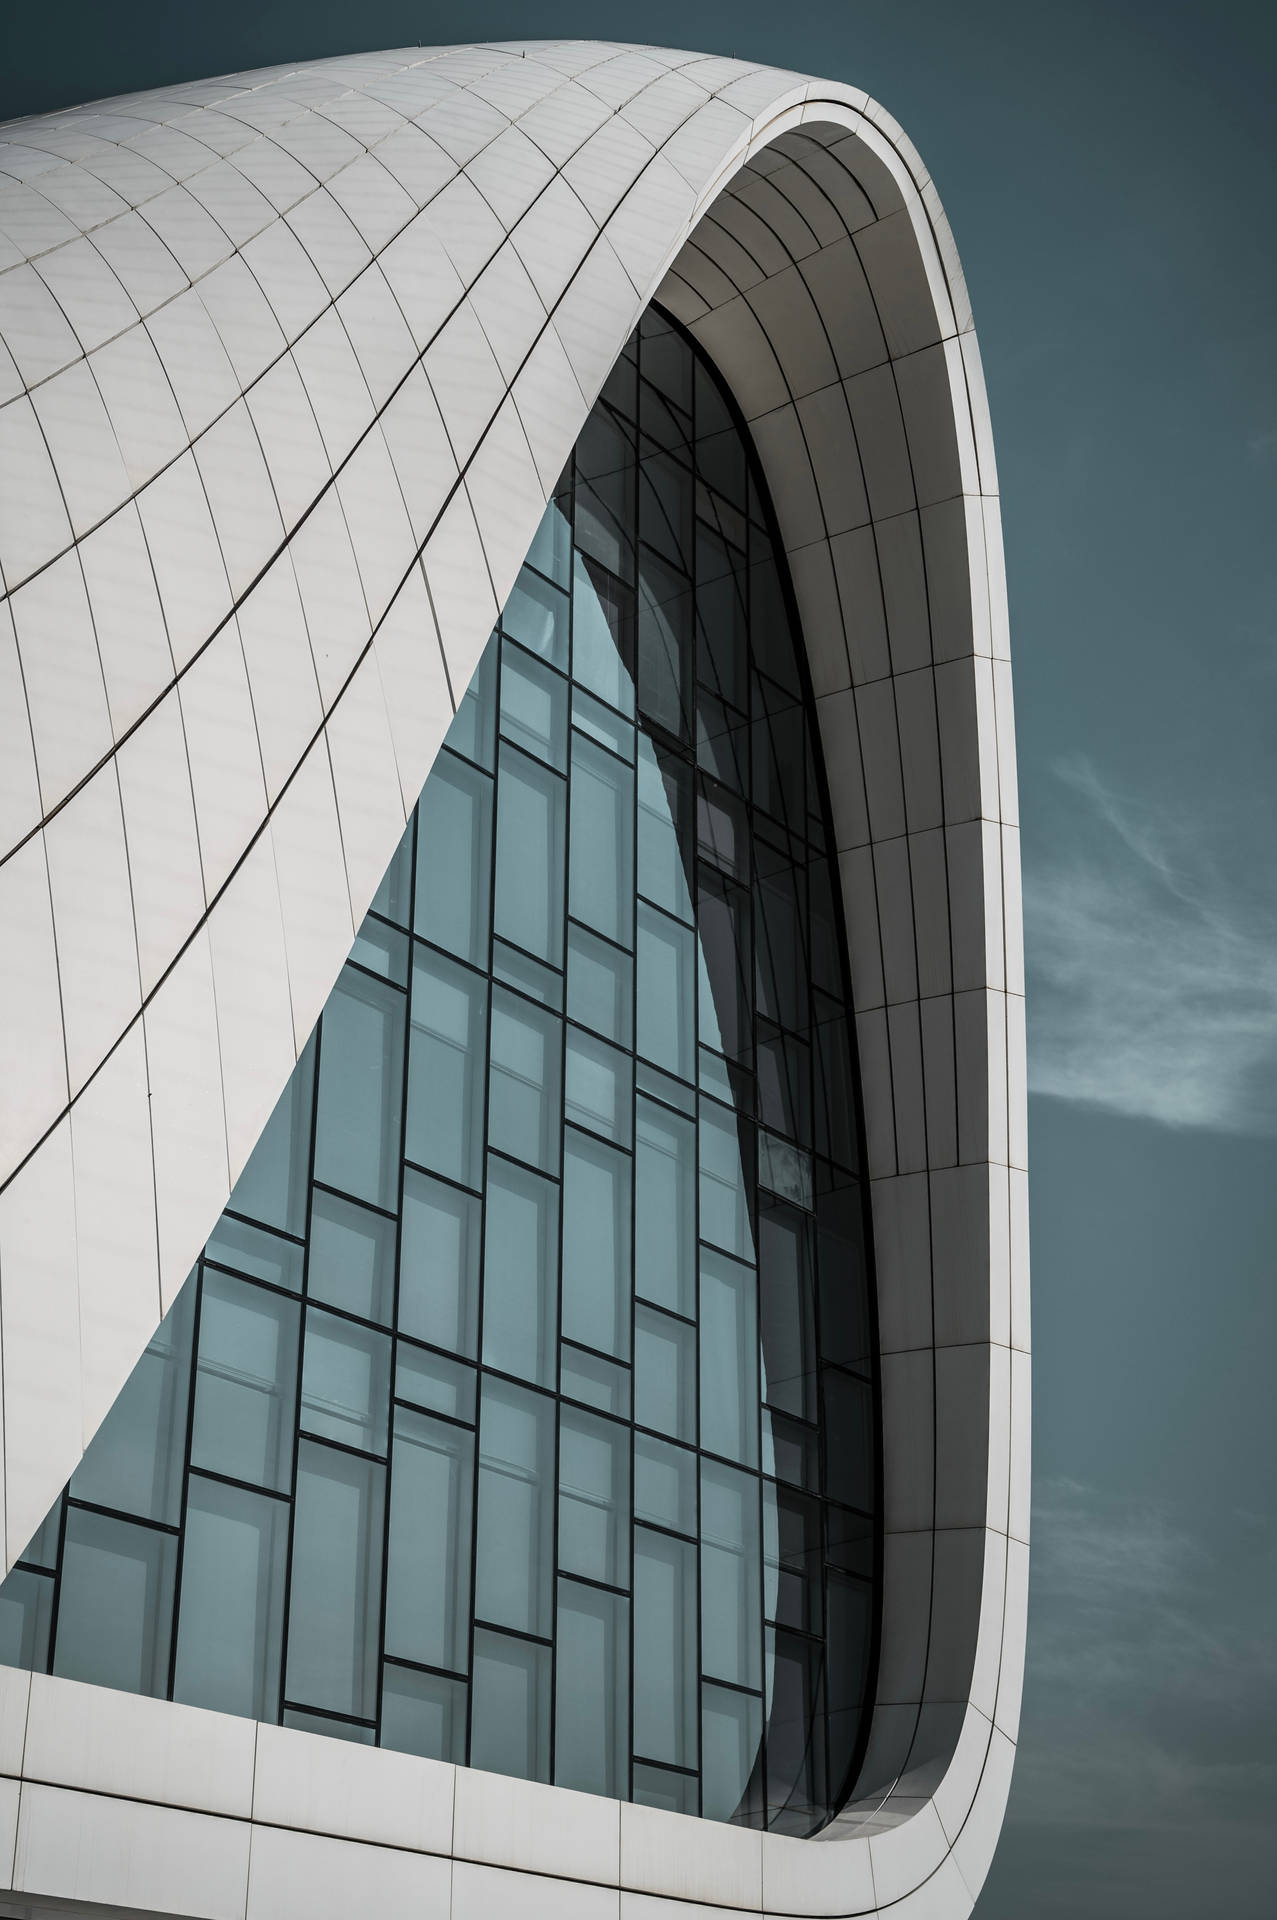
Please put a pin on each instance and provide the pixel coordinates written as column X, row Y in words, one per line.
column 1109, row 168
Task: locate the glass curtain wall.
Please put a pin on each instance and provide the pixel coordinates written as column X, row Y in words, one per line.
column 521, row 1408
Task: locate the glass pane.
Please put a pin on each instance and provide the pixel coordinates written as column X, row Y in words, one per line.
column 792, row 1582
column 473, row 729
column 665, row 1209
column 534, row 706
column 533, row 980
column 598, row 1086
column 134, row 1460
column 536, row 615
column 246, row 1383
column 261, row 1255
column 724, row 1191
column 272, row 1187
column 428, row 1570
column 788, row 1311
column 784, row 1170
column 729, row 1358
column 602, row 723
column 335, row 1593
column 594, row 1498
column 596, row 1244
column 515, row 1558
column 664, row 799
column 591, row 1732
column 231, row 1619
column 731, row 1575
column 666, row 992
column 454, row 847
column 26, row 1612
column 797, row 1787
column 393, row 898
column 330, row 1724
column 551, row 549
column 664, row 642
column 429, row 1380
column 352, row 1258
column 115, row 1603
column 523, row 1111
column 848, row 1419
column 600, row 986
column 423, row 1713
column 510, row 1707
column 665, row 1374
column 732, row 1732
column 531, row 806
column 439, row 1264
column 361, row 1089
column 446, row 1068
column 519, row 1273
column 383, row 950
column 605, row 494
column 664, row 1484
column 345, row 1382
column 601, row 892
column 661, row 1787
column 664, row 1648
column 723, row 935
column 598, row 1382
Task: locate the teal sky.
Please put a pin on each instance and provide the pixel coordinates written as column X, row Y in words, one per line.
column 1109, row 169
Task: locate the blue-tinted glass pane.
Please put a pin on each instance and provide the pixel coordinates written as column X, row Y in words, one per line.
column 594, row 1497
column 598, row 1382
column 731, row 1575
column 251, row 1250
column 246, row 1382
column 531, row 809
column 510, row 1706
column 345, row 1382
column 524, row 1110
column 665, row 1209
column 664, row 1648
column 666, row 992
column 428, row 1571
column 434, row 1381
column 596, row 1244
column 729, row 1358
column 352, row 1258
column 601, row 892
column 551, row 549
column 732, row 1733
column 393, row 898
column 446, row 1068
column 664, row 1484
column 423, row 1713
column 474, row 726
column 600, row 986
column 231, row 1618
column 591, row 1743
column 272, row 1187
column 332, row 1725
column 454, row 846
column 598, row 1086
column 662, row 1787
column 26, row 1611
column 439, row 1264
column 534, row 706
column 665, row 1374
column 536, row 615
column 382, row 950
column 335, row 1595
column 115, row 1603
column 361, row 1089
column 134, row 1461
column 515, row 1558
column 519, row 1280
column 724, row 1189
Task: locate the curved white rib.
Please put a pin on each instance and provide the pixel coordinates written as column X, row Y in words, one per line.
column 296, row 360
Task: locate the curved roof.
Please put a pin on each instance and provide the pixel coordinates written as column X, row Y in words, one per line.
column 291, row 361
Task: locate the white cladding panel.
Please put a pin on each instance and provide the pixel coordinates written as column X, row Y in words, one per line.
column 289, row 363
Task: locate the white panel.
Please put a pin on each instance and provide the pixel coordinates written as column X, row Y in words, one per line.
column 163, row 846
column 332, row 596
column 415, row 685
column 191, row 235
column 82, row 446
column 127, row 1853
column 380, row 532
column 312, row 888
column 334, row 384
column 240, row 495
column 378, row 332
column 330, row 1786
column 19, row 785
column 39, row 1335
column 480, row 1892
column 115, row 1225
column 189, row 568
column 465, row 607
column 33, row 519
column 93, row 922
column 226, row 767
column 33, row 326
column 254, row 1009
column 33, row 1067
column 907, row 1855
column 372, row 199
column 188, row 1126
column 422, row 278
column 281, row 672
column 195, row 361
column 690, row 1859
column 829, row 1876
column 288, row 277
column 290, row 440
column 15, row 1690
column 520, row 1823
column 242, row 315
column 124, row 1743
column 418, row 443
column 301, row 1876
column 369, row 801
column 137, row 665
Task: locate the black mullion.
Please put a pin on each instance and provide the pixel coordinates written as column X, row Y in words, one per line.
column 129, row 1519
column 241, row 1486
column 286, row 1616
column 693, row 891
column 192, row 1386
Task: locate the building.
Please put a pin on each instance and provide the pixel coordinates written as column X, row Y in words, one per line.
column 513, row 1243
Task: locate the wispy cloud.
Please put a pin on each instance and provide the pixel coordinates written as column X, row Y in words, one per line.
column 1147, row 1768
column 1153, row 988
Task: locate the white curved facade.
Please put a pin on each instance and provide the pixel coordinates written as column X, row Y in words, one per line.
column 292, row 362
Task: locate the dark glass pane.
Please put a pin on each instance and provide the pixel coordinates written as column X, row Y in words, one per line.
column 665, row 1374
column 473, row 730
column 524, row 1109
column 729, row 1358
column 605, row 493
column 253, row 1251
column 664, row 1484
column 664, row 643
column 345, row 1382
column 788, row 1310
column 536, row 615
column 731, row 1575
column 534, row 706
column 603, row 634
column 732, row 1733
column 600, row 986
column 665, row 1208
column 666, row 992
column 26, row 1613
column 601, row 894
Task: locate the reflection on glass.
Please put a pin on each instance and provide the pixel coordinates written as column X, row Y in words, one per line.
column 360, row 1082
column 246, row 1383
column 523, row 1116
column 446, row 1068
column 428, row 1573
column 596, row 1244
column 335, row 1590
column 515, row 1561
column 134, row 1461
column 530, row 832
column 439, row 1264
column 453, row 850
column 666, row 992
column 594, row 1498
column 352, row 1258
column 115, row 1604
column 665, row 1209
column 519, row 1306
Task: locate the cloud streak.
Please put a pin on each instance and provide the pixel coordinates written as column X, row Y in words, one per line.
column 1153, row 982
